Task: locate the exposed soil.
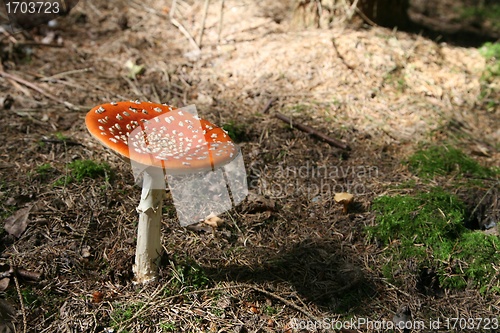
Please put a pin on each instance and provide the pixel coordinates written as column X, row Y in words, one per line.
column 288, row 252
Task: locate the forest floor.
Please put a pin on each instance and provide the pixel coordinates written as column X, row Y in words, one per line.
column 287, row 255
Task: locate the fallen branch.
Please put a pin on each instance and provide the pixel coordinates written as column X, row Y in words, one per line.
column 38, row 89
column 221, row 15
column 269, row 104
column 202, row 29
column 186, row 33
column 311, row 131
column 181, row 28
column 341, row 57
column 24, row 44
column 23, row 273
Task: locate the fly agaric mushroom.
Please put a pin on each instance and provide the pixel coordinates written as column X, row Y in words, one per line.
column 160, row 139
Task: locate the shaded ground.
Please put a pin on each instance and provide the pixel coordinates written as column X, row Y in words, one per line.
column 288, row 251
column 466, row 22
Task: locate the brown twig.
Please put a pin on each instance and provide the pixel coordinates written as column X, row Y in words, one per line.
column 366, row 18
column 173, row 20
column 351, row 9
column 23, row 311
column 341, row 56
column 9, row 36
column 37, row 88
column 28, row 275
column 186, row 33
column 202, row 29
column 269, row 104
column 221, row 17
column 21, row 272
column 38, row 44
column 311, row 131
column 181, row 28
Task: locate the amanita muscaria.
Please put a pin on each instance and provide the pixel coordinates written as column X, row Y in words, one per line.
column 159, row 139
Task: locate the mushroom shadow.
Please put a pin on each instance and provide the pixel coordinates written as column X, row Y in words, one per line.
column 320, row 271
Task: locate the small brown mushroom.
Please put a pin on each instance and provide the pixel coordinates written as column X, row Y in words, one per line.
column 345, row 199
column 214, row 221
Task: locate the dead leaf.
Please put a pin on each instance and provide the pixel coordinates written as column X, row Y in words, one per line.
column 481, row 150
column 85, row 252
column 134, row 69
column 4, row 283
column 97, row 297
column 16, row 224
column 251, row 307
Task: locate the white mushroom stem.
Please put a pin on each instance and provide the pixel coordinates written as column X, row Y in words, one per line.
column 149, row 247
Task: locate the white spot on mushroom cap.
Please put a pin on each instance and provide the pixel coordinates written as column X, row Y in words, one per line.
column 102, row 121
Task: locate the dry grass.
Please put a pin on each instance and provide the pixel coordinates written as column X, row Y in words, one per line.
column 288, row 251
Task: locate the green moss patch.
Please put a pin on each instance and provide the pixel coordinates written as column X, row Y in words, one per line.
column 123, row 312
column 186, row 275
column 489, row 78
column 483, row 11
column 44, row 171
column 237, row 132
column 446, row 160
column 429, row 227
column 81, row 169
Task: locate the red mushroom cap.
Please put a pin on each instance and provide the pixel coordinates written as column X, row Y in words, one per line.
column 160, row 135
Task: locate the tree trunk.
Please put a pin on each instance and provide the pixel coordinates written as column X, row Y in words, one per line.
column 317, row 13
column 323, row 13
